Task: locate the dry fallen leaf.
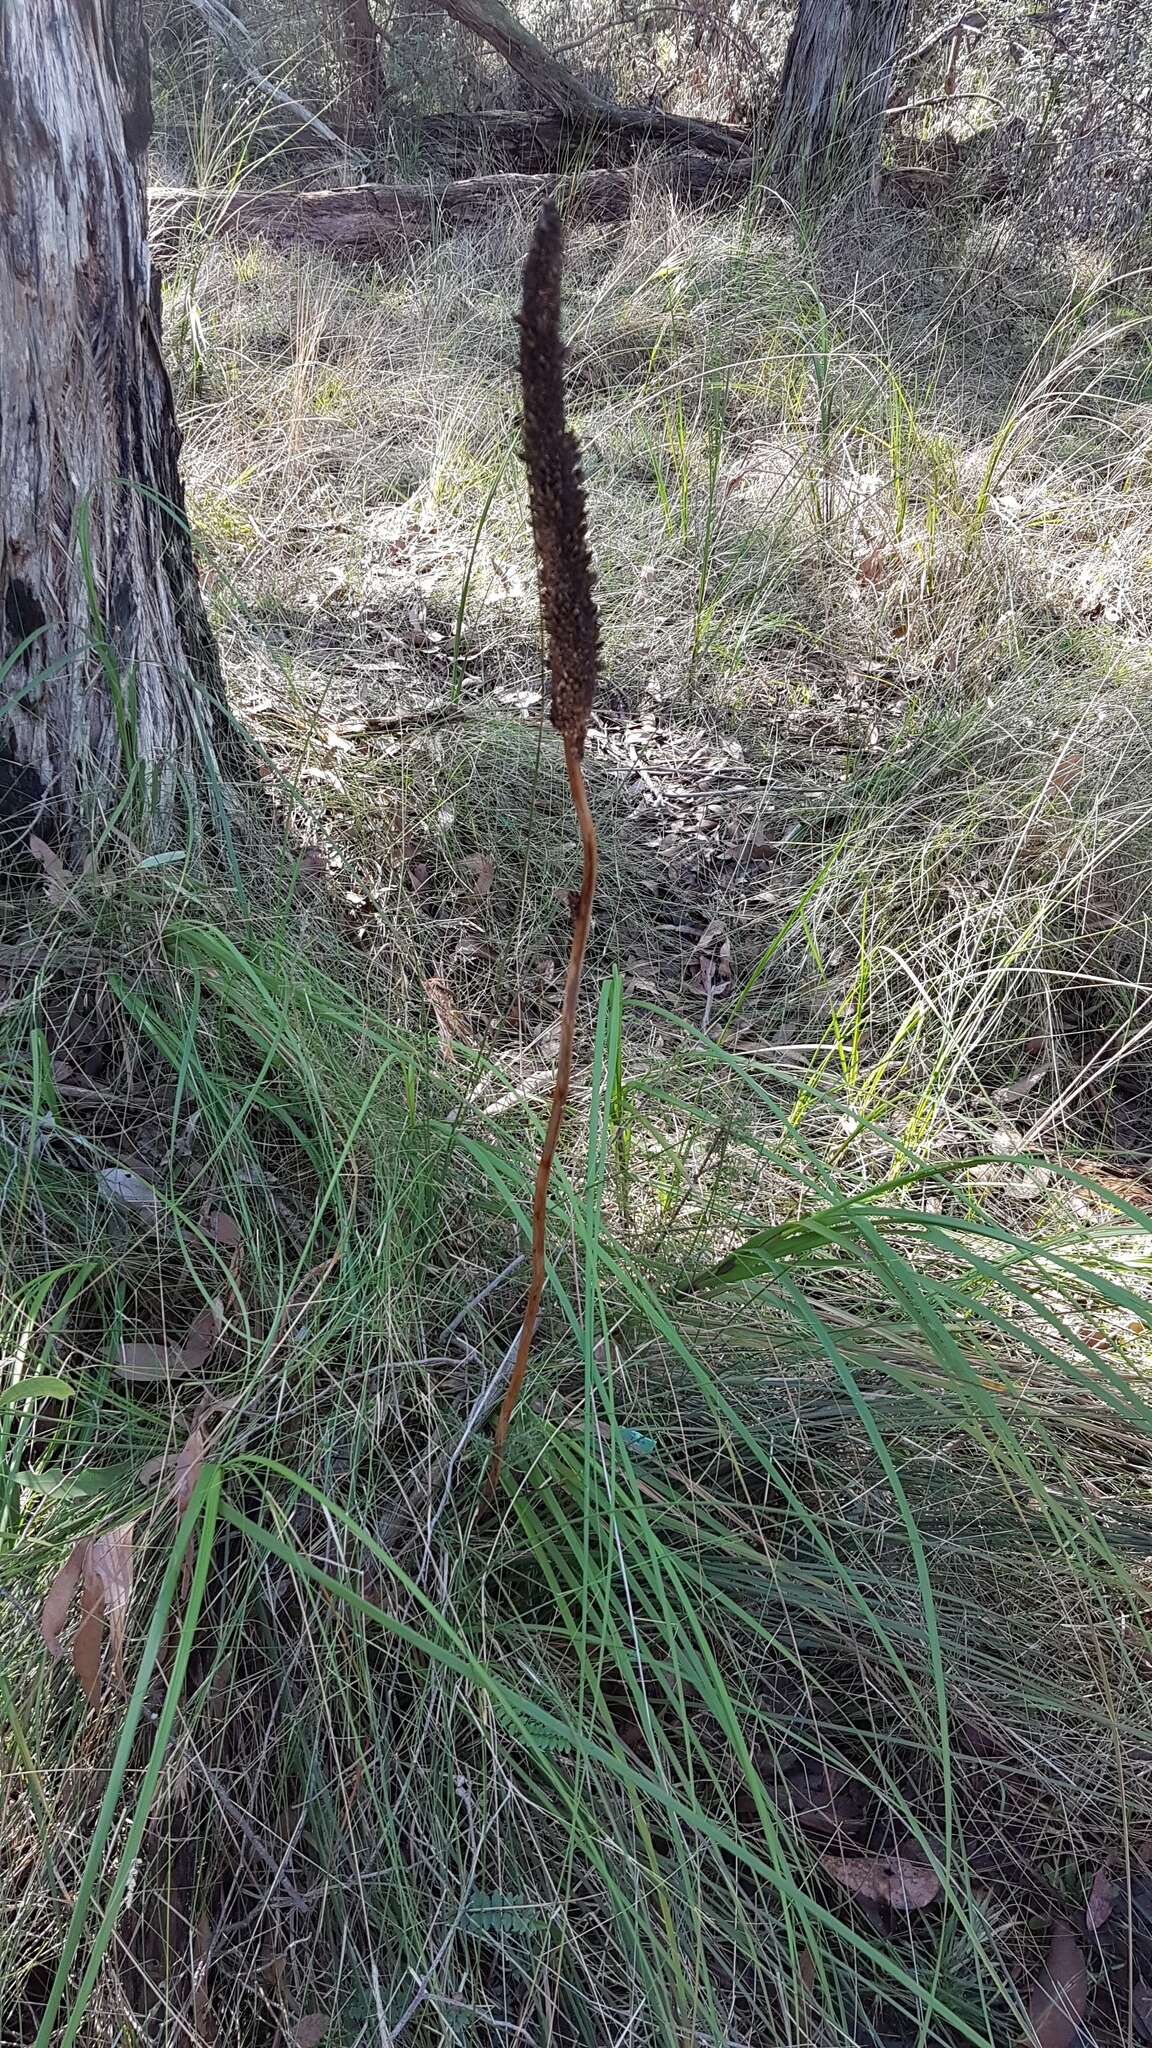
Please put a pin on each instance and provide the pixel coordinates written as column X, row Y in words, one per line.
column 127, row 1189
column 151, row 1362
column 311, row 2031
column 225, row 1231
column 1101, row 1899
column 482, row 869
column 109, row 1566
column 202, row 1336
column 1057, row 2004
column 1067, row 771
column 86, row 1642
column 871, row 566
column 886, row 1880
column 451, row 1029
column 823, row 1799
column 1015, row 1091
column 58, row 1599
column 58, row 883
column 105, row 1565
column 1142, row 2008
column 189, row 1463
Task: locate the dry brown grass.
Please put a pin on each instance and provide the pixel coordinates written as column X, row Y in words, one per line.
column 872, row 521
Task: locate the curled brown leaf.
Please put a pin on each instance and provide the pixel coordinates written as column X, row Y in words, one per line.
column 202, row 1336
column 110, row 1567
column 104, row 1564
column 482, row 869
column 311, row 2030
column 189, row 1465
column 58, row 883
column 225, row 1232
column 87, row 1642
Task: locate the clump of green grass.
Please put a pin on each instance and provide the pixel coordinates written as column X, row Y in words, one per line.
column 820, row 1531
column 824, row 1519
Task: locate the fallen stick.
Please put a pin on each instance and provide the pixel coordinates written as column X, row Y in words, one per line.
column 237, row 39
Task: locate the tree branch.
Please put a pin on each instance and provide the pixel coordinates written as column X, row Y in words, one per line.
column 237, row 39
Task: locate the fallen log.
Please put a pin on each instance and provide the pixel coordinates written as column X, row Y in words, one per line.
column 373, row 221
column 494, row 22
column 503, row 140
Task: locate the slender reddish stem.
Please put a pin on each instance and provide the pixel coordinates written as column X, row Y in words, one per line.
column 581, row 922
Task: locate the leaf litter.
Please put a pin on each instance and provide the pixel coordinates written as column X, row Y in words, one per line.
column 313, row 2029
column 104, row 1567
column 127, row 1190
column 59, row 884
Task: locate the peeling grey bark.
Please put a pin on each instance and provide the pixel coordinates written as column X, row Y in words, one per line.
column 834, row 91
column 109, row 668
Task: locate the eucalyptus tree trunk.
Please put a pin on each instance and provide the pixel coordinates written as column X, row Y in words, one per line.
column 834, row 91
column 366, row 84
column 109, row 676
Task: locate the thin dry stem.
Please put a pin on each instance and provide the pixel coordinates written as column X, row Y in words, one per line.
column 581, row 923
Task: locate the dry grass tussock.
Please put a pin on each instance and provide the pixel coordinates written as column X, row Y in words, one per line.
column 872, row 532
column 798, row 1692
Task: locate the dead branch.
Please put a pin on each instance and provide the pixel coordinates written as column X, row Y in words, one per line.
column 236, row 38
column 531, row 59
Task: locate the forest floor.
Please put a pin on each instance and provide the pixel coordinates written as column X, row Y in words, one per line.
column 799, row 1690
column 871, row 521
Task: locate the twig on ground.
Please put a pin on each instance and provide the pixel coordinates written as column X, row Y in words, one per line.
column 486, row 1291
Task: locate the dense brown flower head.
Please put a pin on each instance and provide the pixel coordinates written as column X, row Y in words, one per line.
column 556, row 490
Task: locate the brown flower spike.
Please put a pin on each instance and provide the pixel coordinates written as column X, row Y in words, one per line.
column 572, row 634
column 556, row 490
